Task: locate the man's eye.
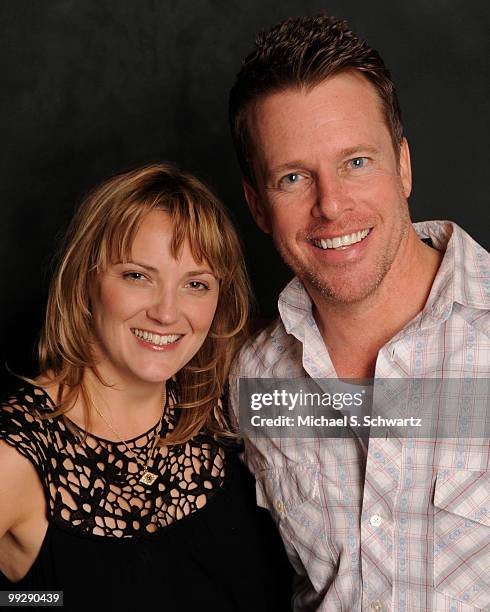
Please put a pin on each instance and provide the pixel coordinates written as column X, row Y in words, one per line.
column 358, row 162
column 291, row 180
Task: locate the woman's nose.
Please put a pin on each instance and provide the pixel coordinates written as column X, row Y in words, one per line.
column 164, row 308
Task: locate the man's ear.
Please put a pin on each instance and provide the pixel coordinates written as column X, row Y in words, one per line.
column 259, row 214
column 405, row 168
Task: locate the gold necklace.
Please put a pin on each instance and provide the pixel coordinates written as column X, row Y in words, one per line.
column 147, row 477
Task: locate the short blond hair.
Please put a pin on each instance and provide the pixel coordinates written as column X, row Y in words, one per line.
column 102, row 231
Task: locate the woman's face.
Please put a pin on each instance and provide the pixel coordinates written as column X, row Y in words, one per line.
column 152, row 315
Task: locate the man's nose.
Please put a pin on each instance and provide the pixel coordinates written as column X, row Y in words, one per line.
column 332, row 198
column 164, row 307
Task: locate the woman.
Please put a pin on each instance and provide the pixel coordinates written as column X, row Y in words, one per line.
column 119, row 481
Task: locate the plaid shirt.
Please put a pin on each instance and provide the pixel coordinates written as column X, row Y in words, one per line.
column 403, row 524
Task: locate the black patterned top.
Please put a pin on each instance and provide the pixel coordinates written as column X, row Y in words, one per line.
column 194, row 535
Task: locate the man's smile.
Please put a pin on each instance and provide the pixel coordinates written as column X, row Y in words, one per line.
column 339, row 242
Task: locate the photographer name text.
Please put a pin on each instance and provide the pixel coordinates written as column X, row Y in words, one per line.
column 342, row 421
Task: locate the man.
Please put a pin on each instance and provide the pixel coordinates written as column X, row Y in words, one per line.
column 391, row 524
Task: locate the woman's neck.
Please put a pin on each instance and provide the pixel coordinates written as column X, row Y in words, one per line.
column 116, row 410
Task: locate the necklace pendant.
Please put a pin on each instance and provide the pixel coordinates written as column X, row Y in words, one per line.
column 148, row 478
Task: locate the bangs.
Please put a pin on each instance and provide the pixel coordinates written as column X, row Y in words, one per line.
column 198, row 222
column 203, row 231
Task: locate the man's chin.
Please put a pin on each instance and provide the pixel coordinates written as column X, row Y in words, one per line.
column 345, row 291
column 350, row 283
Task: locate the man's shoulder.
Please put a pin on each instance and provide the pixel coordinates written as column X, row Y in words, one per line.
column 472, row 281
column 464, row 274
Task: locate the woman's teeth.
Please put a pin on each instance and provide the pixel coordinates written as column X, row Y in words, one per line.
column 341, row 241
column 156, row 339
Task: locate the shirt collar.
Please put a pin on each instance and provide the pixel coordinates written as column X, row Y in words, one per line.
column 294, row 305
column 464, row 273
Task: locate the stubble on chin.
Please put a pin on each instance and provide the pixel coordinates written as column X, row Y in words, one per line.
column 345, row 287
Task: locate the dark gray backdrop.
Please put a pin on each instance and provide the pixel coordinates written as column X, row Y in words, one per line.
column 92, row 87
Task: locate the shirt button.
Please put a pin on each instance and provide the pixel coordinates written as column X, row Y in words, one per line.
column 376, row 606
column 376, row 521
column 279, row 505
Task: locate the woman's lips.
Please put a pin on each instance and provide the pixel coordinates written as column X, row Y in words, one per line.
column 155, row 341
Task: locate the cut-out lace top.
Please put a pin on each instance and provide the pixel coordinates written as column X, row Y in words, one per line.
column 178, row 529
column 93, row 485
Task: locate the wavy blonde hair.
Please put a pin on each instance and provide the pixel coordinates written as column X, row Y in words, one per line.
column 101, row 232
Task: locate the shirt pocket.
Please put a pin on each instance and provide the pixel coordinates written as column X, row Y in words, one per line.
column 462, row 536
column 292, row 496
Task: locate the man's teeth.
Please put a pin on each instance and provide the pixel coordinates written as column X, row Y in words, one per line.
column 155, row 338
column 341, row 241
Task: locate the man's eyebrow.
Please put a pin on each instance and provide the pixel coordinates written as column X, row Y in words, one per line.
column 290, row 165
column 360, row 148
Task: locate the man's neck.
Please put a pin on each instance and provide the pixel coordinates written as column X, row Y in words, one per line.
column 354, row 333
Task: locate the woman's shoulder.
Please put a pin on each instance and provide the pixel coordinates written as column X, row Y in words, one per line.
column 24, row 419
column 29, row 401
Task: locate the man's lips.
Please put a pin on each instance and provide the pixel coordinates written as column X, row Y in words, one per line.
column 343, row 254
column 341, row 241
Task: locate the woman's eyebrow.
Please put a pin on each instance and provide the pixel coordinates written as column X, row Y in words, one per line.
column 200, row 271
column 196, row 272
column 140, row 264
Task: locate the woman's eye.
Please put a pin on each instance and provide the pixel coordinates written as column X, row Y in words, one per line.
column 198, row 285
column 134, row 276
column 358, row 162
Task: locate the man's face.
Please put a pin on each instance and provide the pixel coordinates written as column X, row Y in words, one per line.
column 330, row 189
